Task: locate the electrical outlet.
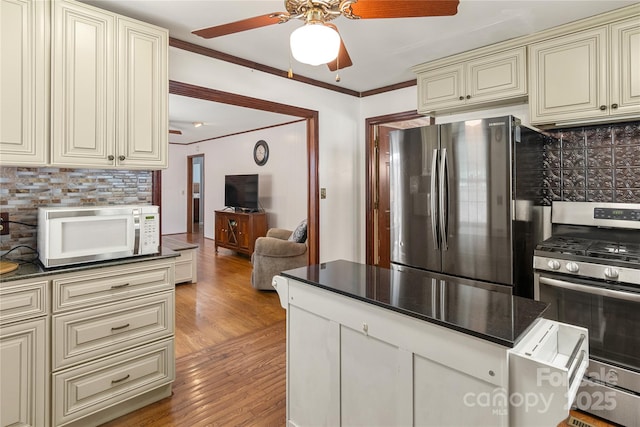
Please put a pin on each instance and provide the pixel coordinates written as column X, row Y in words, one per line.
column 4, row 223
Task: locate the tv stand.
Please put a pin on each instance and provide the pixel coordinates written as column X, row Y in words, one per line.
column 238, row 231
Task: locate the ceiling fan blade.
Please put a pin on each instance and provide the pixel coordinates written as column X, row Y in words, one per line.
column 238, row 26
column 343, row 60
column 175, row 132
column 372, row 9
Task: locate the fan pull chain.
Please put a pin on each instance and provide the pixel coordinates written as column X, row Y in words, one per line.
column 338, row 66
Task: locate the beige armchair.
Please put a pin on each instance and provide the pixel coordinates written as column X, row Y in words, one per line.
column 273, row 254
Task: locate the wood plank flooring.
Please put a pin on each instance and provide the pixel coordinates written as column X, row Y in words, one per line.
column 230, row 350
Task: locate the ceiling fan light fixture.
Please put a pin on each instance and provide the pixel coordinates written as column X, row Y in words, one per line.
column 315, row 43
column 197, row 124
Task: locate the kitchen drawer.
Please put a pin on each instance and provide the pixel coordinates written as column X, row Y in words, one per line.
column 550, row 360
column 23, row 301
column 186, row 269
column 92, row 387
column 105, row 285
column 87, row 334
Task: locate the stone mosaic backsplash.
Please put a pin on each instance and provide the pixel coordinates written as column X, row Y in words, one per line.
column 23, row 190
column 594, row 164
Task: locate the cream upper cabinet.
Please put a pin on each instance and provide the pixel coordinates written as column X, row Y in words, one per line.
column 625, row 66
column 24, row 82
column 109, row 90
column 475, row 80
column 591, row 74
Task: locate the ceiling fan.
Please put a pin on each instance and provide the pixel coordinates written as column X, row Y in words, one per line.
column 308, row 42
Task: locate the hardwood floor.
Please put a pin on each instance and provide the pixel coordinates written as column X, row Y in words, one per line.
column 230, row 350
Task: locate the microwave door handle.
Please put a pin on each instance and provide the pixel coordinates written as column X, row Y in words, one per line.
column 593, row 290
column 434, row 193
column 136, row 231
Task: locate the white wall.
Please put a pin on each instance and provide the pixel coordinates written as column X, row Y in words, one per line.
column 340, row 154
column 282, row 181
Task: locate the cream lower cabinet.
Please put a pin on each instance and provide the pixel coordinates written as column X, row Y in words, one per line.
column 350, row 363
column 472, row 81
column 112, row 334
column 588, row 75
column 109, row 90
column 24, row 353
column 24, row 82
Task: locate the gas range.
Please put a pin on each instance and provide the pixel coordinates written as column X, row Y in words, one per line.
column 602, row 244
column 589, row 274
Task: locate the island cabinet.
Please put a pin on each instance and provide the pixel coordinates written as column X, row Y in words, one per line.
column 109, row 89
column 376, row 353
column 472, row 81
column 24, row 67
column 112, row 335
column 587, row 75
column 24, row 353
column 238, row 231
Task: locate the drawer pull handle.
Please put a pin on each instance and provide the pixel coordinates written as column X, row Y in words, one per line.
column 116, row 328
column 574, row 353
column 120, row 380
column 124, row 285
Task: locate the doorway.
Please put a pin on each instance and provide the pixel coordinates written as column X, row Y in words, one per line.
column 378, row 217
column 195, row 191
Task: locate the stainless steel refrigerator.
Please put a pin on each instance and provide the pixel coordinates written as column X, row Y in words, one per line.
column 466, row 200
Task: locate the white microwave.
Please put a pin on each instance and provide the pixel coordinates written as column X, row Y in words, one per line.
column 73, row 235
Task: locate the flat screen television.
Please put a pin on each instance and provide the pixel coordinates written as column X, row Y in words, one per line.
column 241, row 192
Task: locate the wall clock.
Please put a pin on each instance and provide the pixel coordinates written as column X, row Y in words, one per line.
column 261, row 153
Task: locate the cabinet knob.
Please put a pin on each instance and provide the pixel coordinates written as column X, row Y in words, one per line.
column 468, row 96
column 121, row 158
column 603, row 107
column 614, row 106
column 462, row 98
column 110, row 157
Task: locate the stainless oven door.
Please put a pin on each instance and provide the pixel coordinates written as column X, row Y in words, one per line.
column 610, row 312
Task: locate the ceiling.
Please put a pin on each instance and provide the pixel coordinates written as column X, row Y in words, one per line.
column 382, row 50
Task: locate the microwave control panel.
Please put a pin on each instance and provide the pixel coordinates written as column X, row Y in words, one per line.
column 149, row 233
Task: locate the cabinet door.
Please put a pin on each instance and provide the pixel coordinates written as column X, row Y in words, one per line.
column 83, row 86
column 625, row 67
column 243, row 231
column 222, row 229
column 313, row 369
column 569, row 77
column 143, row 90
column 376, row 381
column 24, row 385
column 441, row 88
column 24, row 82
column 496, row 77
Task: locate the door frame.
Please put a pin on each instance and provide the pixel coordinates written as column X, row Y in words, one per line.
column 372, row 175
column 312, row 138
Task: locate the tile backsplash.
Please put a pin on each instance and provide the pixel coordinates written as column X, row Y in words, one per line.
column 594, row 164
column 23, row 190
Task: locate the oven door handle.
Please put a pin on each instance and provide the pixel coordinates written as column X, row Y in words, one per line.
column 628, row 296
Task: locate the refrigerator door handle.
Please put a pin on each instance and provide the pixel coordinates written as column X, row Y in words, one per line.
column 434, row 195
column 444, row 194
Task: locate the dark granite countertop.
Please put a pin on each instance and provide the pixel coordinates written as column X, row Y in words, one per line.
column 33, row 270
column 493, row 316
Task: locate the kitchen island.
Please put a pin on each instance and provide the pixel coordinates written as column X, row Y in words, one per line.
column 371, row 346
